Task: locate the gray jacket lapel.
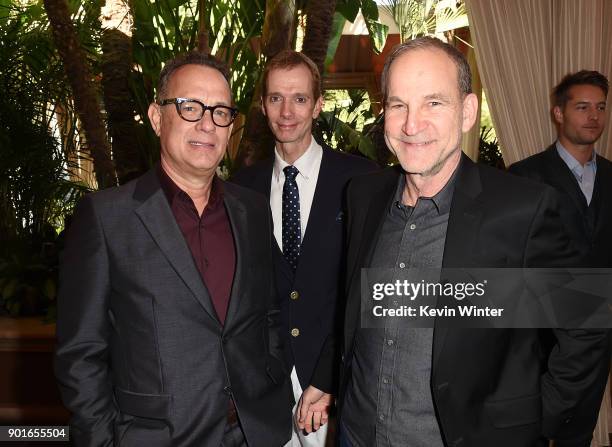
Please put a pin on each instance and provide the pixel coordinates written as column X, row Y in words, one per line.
column 156, row 216
column 240, row 230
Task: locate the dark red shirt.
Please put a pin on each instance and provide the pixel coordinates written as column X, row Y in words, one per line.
column 209, row 238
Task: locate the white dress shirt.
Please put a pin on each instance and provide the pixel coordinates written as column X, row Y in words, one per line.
column 585, row 175
column 309, row 165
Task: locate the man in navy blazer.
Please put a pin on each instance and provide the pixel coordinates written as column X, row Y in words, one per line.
column 583, row 178
column 309, row 260
column 574, row 169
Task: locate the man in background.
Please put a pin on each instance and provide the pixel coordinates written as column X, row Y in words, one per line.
column 574, row 169
column 305, row 183
column 583, row 178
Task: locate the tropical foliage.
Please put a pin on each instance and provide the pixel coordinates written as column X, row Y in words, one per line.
column 77, row 77
column 489, row 152
column 420, row 17
column 37, row 154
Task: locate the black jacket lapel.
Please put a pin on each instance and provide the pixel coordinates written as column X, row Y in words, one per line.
column 560, row 175
column 263, row 180
column 322, row 207
column 463, row 226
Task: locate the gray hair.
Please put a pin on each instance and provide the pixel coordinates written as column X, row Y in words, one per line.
column 190, row 58
column 464, row 74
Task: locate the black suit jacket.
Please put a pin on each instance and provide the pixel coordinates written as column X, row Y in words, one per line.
column 590, row 225
column 318, row 278
column 489, row 386
column 142, row 358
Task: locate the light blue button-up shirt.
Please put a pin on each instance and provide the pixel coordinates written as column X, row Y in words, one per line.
column 585, row 175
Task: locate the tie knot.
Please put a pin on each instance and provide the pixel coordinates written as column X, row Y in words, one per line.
column 291, row 172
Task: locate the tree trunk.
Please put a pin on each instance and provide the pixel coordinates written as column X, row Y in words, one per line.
column 116, row 71
column 319, row 19
column 203, row 44
column 278, row 31
column 83, row 88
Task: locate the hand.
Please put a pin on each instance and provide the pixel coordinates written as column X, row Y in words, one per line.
column 313, row 409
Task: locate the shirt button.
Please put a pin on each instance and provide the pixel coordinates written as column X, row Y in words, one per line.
column 412, row 226
column 294, row 295
column 390, row 342
column 402, row 265
column 295, row 332
column 381, row 417
column 385, row 380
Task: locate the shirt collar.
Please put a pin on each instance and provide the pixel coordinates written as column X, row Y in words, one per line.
column 172, row 191
column 442, row 200
column 306, row 164
column 573, row 164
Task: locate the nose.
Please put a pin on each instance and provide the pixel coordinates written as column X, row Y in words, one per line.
column 595, row 114
column 413, row 124
column 286, row 110
column 206, row 123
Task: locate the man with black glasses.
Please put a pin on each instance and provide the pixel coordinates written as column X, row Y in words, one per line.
column 168, row 318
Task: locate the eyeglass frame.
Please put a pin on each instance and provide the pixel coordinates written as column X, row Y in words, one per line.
column 178, row 101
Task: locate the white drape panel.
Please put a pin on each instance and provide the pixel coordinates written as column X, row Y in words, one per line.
column 523, row 48
column 588, row 46
column 471, row 140
column 601, row 436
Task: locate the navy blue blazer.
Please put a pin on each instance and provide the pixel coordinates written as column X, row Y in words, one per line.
column 310, row 297
column 588, row 224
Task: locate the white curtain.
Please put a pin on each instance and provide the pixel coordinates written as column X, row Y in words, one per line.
column 523, row 48
column 471, row 139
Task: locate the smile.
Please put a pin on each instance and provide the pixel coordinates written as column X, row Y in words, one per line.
column 418, row 144
column 201, row 144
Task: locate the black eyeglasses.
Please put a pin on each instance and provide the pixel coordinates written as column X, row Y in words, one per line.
column 193, row 110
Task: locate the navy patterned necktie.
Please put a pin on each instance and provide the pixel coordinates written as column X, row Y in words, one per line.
column 292, row 234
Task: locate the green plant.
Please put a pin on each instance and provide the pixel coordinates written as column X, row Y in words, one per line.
column 36, row 193
column 489, row 152
column 420, row 17
column 341, row 123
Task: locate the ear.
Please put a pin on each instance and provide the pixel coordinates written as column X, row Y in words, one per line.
column 470, row 111
column 558, row 114
column 317, row 107
column 263, row 106
column 154, row 114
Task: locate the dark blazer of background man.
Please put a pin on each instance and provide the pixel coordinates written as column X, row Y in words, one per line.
column 484, row 387
column 580, row 115
column 583, row 179
column 309, row 295
column 168, row 318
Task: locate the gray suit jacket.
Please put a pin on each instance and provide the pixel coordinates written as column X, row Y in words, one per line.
column 142, row 358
